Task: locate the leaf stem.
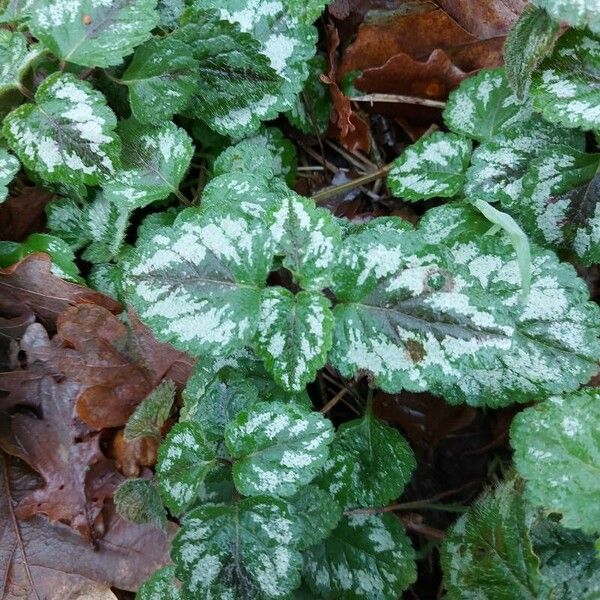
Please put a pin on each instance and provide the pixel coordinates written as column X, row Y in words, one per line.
column 399, row 99
column 350, row 185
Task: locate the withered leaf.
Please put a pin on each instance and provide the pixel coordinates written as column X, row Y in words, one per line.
column 23, row 214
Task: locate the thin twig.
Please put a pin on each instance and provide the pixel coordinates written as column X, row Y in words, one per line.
column 334, row 401
column 350, row 185
column 399, row 99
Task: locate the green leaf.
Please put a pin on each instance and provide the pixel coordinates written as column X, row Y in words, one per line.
column 237, row 87
column 15, row 59
column 161, row 586
column 91, row 33
column 557, row 452
column 489, row 553
column 286, row 38
column 9, row 167
column 243, row 550
column 162, row 79
column 432, row 167
column 316, row 513
column 554, row 341
column 184, row 459
column 217, row 486
column 565, row 87
column 154, row 163
column 583, row 13
column 294, row 335
column 267, row 153
column 170, row 12
column 108, row 279
column 138, row 501
column 151, row 414
column 368, row 557
column 369, row 465
column 277, row 448
column 484, row 106
column 559, row 206
column 65, row 217
column 67, row 135
column 15, row 10
column 308, row 237
column 198, row 283
column 310, row 112
column 529, row 41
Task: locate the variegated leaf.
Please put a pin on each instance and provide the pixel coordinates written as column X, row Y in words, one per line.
column 432, row 167
column 15, row 59
column 154, row 162
column 369, row 463
column 67, row 135
column 162, row 78
column 484, row 106
column 198, row 283
column 184, row 459
column 294, row 335
column 170, row 12
column 151, row 414
column 161, row 586
column 308, row 237
column 241, row 550
column 15, row 10
column 9, row 167
column 565, row 87
column 92, row 33
column 138, row 501
column 578, row 13
column 277, row 448
column 368, row 557
column 557, row 452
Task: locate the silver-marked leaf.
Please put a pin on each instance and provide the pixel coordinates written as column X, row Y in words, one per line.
column 277, row 448
column 14, row 10
column 151, row 414
column 499, row 166
column 529, row 41
column 565, row 88
column 108, row 279
column 237, row 87
column 578, row 13
column 92, row 33
column 198, row 283
column 9, row 167
column 560, row 204
column 241, row 550
column 557, row 452
column 184, row 459
column 287, row 40
column 162, row 78
column 15, row 59
column 433, row 166
column 410, row 317
column 138, row 501
column 67, row 135
column 161, row 586
column 294, row 335
column 267, row 153
column 555, row 342
column 489, row 551
column 368, row 557
column 316, row 513
column 170, row 12
column 65, row 217
column 154, row 162
column 308, row 237
column 484, row 106
column 371, row 460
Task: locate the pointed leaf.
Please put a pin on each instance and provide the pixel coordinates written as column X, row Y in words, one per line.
column 369, row 465
column 151, row 414
column 433, row 166
column 64, row 219
column 583, row 13
column 184, row 459
column 294, row 335
column 243, row 550
column 198, row 283
column 484, row 106
column 277, row 448
column 9, row 167
column 565, row 87
column 91, row 33
column 557, row 452
column 138, row 501
column 368, row 557
column 15, row 59
column 162, row 78
column 67, row 135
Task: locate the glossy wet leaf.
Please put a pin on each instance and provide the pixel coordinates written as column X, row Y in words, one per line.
column 15, row 59
column 578, row 13
column 161, row 586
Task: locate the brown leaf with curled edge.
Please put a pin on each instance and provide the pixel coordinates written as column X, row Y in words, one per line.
column 347, row 126
column 23, row 214
column 30, row 285
column 131, row 455
column 39, row 560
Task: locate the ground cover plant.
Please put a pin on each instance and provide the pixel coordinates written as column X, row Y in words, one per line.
column 299, row 301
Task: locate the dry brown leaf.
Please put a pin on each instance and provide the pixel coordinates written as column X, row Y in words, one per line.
column 131, row 455
column 23, row 214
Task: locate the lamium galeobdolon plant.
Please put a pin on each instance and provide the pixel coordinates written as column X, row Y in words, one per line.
column 108, row 103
